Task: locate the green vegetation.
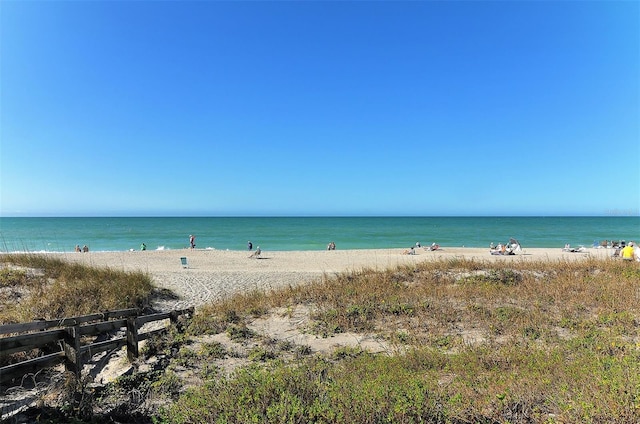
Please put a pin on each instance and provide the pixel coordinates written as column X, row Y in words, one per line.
column 541, row 342
column 464, row 341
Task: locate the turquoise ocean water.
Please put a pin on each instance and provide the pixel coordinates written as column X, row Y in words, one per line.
column 307, row 233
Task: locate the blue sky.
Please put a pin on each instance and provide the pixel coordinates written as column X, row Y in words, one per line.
column 253, row 108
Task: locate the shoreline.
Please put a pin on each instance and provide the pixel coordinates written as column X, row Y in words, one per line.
column 462, row 248
column 216, row 274
column 119, row 234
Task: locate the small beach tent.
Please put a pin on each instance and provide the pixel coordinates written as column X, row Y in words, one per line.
column 514, row 245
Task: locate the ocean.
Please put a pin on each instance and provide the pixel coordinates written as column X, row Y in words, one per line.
column 306, row 233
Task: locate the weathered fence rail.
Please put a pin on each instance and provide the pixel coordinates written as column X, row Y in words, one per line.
column 70, row 335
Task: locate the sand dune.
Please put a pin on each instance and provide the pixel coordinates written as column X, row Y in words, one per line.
column 215, row 274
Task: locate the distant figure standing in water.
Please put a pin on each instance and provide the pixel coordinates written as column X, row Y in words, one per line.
column 192, row 241
column 143, row 246
column 78, row 248
column 85, row 248
column 249, row 245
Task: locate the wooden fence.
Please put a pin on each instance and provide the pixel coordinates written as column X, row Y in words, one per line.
column 73, row 339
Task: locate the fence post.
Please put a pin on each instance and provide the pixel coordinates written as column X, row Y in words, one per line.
column 71, row 346
column 173, row 317
column 132, row 339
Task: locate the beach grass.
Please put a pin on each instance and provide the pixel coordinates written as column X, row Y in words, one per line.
column 34, row 286
column 465, row 341
column 470, row 341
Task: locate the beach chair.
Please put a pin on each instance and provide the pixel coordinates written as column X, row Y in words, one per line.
column 184, row 262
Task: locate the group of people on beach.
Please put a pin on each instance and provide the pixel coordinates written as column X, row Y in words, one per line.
column 628, row 252
column 412, row 249
column 509, row 248
column 500, row 249
column 609, row 244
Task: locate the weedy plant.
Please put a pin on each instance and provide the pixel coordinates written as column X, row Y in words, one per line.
column 516, row 342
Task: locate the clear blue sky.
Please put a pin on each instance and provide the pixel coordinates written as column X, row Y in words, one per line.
column 143, row 108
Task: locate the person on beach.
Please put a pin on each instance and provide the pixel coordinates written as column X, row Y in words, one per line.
column 192, row 241
column 78, row 248
column 257, row 253
column 143, row 246
column 249, row 245
column 628, row 253
column 85, row 248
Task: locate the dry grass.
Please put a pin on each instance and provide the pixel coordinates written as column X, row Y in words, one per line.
column 476, row 342
column 40, row 287
column 527, row 299
column 473, row 341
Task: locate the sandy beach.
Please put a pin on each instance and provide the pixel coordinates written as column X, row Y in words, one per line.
column 214, row 274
